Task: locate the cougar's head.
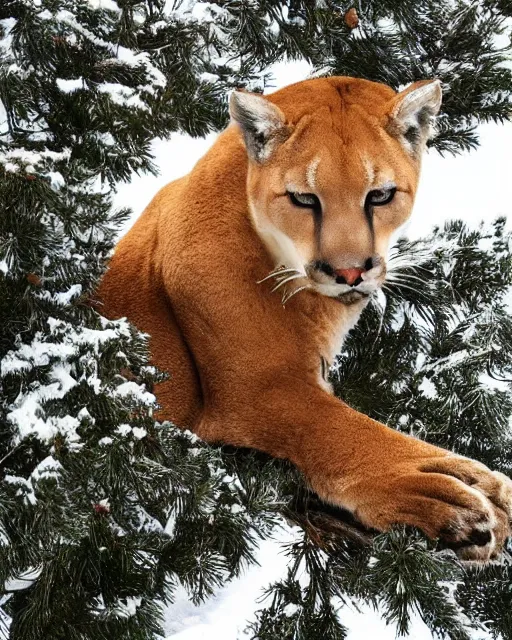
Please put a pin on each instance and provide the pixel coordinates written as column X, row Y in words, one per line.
column 333, row 171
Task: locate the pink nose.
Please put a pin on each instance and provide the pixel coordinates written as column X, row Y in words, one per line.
column 350, row 275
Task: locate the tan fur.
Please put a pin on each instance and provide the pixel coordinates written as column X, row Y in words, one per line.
column 245, row 369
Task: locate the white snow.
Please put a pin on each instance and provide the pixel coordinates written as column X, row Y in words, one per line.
column 122, row 95
column 228, row 613
column 84, row 414
column 124, row 429
column 136, row 391
column 109, row 5
column 27, row 413
column 36, row 354
column 71, row 85
column 398, row 320
column 491, row 383
column 56, row 179
column 208, row 77
column 128, row 607
column 26, row 159
column 23, row 580
column 119, row 53
column 3, row 119
column 65, row 297
column 428, row 388
column 207, row 12
column 94, row 337
column 139, row 433
column 485, row 244
column 132, row 58
column 47, row 468
column 290, row 610
column 25, row 488
column 452, row 360
column 7, row 25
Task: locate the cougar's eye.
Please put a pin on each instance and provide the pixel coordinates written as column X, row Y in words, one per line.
column 306, row 200
column 378, row 197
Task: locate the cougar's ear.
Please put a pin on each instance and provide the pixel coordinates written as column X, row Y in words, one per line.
column 411, row 113
column 263, row 124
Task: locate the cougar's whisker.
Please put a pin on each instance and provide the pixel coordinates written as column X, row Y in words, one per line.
column 277, row 273
column 287, row 295
column 401, row 285
column 381, row 310
column 285, row 280
column 397, row 276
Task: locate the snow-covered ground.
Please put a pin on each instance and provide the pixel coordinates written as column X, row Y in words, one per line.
column 472, row 187
column 225, row 616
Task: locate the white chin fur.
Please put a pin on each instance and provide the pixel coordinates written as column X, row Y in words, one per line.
column 334, row 290
column 331, row 289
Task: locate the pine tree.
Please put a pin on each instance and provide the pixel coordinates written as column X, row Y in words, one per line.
column 103, row 511
column 89, row 482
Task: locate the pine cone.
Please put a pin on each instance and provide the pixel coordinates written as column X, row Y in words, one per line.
column 101, row 509
column 34, row 279
column 351, row 18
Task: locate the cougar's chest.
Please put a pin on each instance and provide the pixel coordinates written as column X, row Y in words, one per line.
column 333, row 324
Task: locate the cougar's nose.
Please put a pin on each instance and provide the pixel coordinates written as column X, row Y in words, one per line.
column 349, row 276
column 353, row 276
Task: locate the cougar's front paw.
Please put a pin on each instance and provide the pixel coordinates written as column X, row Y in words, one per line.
column 490, row 499
column 460, row 501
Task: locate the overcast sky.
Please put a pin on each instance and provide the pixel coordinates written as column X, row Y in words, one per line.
column 472, row 186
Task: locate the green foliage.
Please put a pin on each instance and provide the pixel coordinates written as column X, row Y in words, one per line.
column 113, row 528
column 90, row 485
